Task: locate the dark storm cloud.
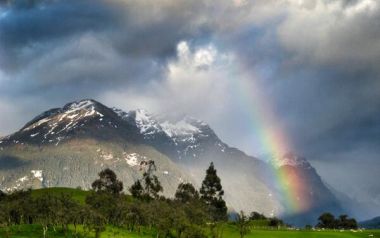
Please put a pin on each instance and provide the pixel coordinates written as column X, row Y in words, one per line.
column 332, row 112
column 64, row 49
column 324, row 78
column 93, row 45
column 29, row 29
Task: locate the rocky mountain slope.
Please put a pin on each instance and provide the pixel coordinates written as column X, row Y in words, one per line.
column 68, row 146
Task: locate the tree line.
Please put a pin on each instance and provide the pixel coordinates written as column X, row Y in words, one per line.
column 191, row 213
column 328, row 221
column 184, row 216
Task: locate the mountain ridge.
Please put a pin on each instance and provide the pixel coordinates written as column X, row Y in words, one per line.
column 82, row 137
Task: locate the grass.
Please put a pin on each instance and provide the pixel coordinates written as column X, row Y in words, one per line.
column 35, row 231
column 230, row 231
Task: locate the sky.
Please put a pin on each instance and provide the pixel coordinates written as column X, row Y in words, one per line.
column 310, row 66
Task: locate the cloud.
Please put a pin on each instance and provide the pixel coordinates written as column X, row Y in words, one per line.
column 315, row 61
column 10, row 114
column 196, row 80
column 31, row 30
column 340, row 33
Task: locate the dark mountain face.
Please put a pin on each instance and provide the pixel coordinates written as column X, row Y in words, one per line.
column 68, row 146
column 84, row 119
column 312, row 195
column 371, row 224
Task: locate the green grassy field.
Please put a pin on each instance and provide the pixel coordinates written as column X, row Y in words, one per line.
column 229, row 230
column 35, row 231
column 232, row 232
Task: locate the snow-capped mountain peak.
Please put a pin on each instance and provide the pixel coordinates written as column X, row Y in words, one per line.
column 180, row 128
column 149, row 123
column 70, row 113
column 146, row 122
column 59, row 124
column 184, row 136
column 290, row 159
column 86, row 104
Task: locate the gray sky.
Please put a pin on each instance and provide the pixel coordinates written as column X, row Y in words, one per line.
column 312, row 66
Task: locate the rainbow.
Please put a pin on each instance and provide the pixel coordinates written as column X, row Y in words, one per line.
column 272, row 139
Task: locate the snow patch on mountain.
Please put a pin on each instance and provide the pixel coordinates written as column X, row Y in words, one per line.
column 35, row 134
column 107, row 156
column 70, row 114
column 182, row 130
column 179, row 129
column 38, row 123
column 146, row 123
column 133, row 159
column 37, row 174
column 184, row 133
column 23, row 179
column 290, row 159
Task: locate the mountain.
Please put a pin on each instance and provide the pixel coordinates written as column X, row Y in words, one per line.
column 362, row 210
column 373, row 223
column 313, row 196
column 68, row 146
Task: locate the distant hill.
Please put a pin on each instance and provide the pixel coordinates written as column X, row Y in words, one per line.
column 373, row 223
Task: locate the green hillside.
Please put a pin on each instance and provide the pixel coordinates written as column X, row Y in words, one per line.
column 77, row 194
column 106, row 212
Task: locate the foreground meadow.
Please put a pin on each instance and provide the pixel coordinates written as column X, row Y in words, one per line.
column 229, row 231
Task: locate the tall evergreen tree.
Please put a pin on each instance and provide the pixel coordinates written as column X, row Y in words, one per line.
column 212, row 194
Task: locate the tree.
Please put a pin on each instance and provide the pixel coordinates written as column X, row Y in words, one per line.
column 152, row 185
column 46, row 211
column 344, row 222
column 243, row 224
column 137, row 190
column 133, row 216
column 106, row 197
column 275, row 222
column 212, row 194
column 186, row 193
column 2, row 195
column 326, row 220
column 194, row 231
column 105, row 204
column 107, row 182
column 5, row 221
column 257, row 216
column 95, row 221
column 67, row 211
column 149, row 187
column 308, row 227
